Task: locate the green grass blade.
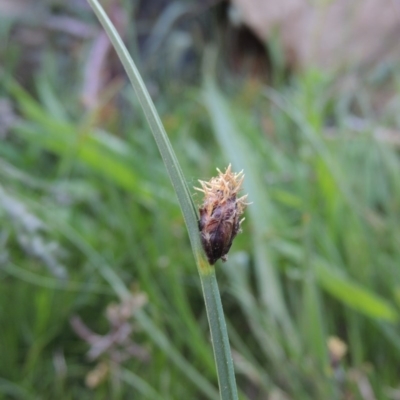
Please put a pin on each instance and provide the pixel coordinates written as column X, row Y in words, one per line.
column 118, row 286
column 167, row 153
column 237, row 150
column 342, row 287
column 220, row 341
column 162, row 341
column 51, row 283
column 139, row 384
column 354, row 295
column 13, row 390
column 222, row 353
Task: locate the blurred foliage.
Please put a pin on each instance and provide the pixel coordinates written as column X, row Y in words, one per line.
column 87, row 213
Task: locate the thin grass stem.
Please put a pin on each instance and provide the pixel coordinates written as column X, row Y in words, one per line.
column 219, row 335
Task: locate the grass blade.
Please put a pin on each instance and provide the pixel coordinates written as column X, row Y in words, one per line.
column 219, row 336
column 222, row 353
column 237, row 150
column 167, row 153
column 354, row 295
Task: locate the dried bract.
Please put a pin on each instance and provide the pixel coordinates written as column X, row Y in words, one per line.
column 220, row 213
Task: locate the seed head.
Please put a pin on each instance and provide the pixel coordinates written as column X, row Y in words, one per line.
column 220, row 213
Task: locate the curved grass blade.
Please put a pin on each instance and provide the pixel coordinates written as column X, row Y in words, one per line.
column 167, row 153
column 219, row 335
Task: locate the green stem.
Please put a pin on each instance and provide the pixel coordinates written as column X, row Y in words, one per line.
column 219, row 336
column 222, row 353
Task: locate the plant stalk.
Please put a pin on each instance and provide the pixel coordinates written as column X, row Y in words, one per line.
column 219, row 335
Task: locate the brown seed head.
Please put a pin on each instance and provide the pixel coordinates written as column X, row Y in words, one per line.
column 220, row 213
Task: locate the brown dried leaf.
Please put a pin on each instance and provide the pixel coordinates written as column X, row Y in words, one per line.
column 328, row 34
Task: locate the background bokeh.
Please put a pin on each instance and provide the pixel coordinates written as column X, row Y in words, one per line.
column 302, row 95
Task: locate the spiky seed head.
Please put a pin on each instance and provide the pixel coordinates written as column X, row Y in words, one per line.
column 220, row 213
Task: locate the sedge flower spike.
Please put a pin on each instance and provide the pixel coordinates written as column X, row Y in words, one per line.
column 220, row 213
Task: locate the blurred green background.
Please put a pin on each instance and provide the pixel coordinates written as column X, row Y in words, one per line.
column 311, row 290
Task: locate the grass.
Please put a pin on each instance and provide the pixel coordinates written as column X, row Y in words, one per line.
column 212, row 297
column 319, row 256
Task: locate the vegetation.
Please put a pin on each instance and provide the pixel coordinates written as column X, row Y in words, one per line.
column 88, row 214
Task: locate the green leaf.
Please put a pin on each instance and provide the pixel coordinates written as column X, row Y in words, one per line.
column 354, row 295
